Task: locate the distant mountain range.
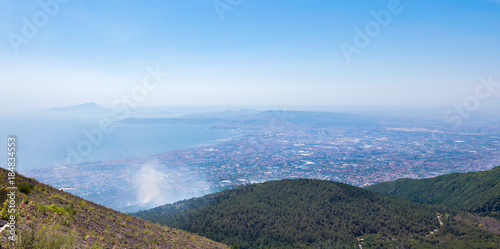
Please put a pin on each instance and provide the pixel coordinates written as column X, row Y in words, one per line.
column 227, row 114
column 477, row 192
column 271, row 119
column 51, row 218
column 306, row 213
column 81, row 108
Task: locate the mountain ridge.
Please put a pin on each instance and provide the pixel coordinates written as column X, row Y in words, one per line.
column 476, row 192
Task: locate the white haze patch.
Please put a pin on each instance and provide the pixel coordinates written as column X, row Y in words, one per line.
column 150, row 183
column 158, row 184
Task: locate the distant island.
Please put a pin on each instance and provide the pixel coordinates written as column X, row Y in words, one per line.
column 81, row 108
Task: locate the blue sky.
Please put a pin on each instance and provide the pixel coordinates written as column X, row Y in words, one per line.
column 280, row 53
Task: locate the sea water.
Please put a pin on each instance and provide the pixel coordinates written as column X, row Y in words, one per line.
column 49, row 140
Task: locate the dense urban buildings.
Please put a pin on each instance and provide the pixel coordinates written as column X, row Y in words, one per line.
column 358, row 150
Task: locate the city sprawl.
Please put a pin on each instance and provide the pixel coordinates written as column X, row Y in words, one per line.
column 354, row 149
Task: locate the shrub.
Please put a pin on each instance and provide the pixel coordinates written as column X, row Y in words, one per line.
column 4, row 215
column 3, row 194
column 57, row 209
column 43, row 237
column 25, row 188
column 44, row 208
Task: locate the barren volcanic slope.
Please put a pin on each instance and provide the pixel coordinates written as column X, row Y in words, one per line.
column 50, row 218
column 307, row 213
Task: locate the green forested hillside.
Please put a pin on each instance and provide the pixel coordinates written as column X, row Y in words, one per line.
column 477, row 192
column 307, row 213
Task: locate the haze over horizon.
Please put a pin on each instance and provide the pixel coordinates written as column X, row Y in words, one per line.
column 315, row 122
column 425, row 53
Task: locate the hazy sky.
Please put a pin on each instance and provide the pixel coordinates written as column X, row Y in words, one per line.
column 259, row 52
